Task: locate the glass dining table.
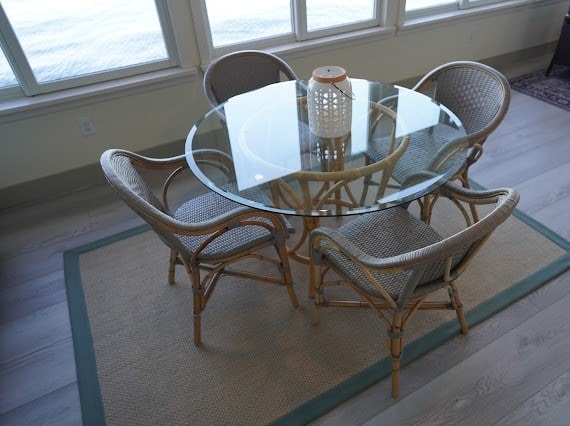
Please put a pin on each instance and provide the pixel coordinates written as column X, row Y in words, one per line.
column 258, row 150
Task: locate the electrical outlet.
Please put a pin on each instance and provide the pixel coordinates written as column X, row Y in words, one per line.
column 86, row 126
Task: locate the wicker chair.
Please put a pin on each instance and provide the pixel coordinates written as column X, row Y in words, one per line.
column 206, row 234
column 479, row 96
column 394, row 261
column 241, row 72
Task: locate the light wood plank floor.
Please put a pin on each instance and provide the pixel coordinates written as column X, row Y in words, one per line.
column 512, row 369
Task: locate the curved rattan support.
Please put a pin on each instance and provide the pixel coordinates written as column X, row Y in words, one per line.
column 479, row 96
column 330, row 188
column 321, row 188
column 241, row 72
column 393, row 261
column 207, row 234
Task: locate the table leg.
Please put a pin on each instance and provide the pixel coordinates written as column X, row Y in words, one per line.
column 309, row 223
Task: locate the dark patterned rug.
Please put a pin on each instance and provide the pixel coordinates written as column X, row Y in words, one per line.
column 554, row 89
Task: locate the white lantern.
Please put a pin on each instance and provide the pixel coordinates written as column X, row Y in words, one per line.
column 329, row 102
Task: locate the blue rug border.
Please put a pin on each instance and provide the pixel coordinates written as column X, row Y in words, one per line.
column 88, row 382
column 92, row 410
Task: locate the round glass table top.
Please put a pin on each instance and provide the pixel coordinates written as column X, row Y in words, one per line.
column 258, row 149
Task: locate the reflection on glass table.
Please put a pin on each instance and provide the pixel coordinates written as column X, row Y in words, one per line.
column 274, row 163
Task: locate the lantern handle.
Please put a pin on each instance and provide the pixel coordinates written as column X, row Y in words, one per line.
column 342, row 91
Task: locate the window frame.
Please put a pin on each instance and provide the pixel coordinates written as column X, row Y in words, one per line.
column 29, row 86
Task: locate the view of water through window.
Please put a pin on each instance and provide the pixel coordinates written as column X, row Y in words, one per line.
column 69, row 38
column 233, row 22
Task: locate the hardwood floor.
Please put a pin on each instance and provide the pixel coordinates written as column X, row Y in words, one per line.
column 512, row 369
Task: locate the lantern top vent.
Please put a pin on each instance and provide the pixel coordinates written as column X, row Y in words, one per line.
column 329, row 74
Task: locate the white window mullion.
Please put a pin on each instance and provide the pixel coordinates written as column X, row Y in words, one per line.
column 299, row 12
column 16, row 57
column 167, row 31
column 203, row 31
column 400, row 13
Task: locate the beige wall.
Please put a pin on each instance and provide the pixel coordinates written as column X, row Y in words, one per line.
column 49, row 144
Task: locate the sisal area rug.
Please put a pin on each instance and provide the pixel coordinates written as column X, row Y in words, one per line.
column 554, row 89
column 262, row 361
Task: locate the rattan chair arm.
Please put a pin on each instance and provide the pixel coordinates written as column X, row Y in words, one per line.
column 231, row 219
column 485, row 196
column 170, row 163
column 340, row 242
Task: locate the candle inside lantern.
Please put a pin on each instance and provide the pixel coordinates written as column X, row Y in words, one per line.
column 329, row 102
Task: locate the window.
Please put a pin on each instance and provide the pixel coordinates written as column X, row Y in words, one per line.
column 226, row 25
column 69, row 43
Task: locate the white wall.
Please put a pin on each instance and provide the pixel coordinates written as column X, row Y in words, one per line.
column 48, row 144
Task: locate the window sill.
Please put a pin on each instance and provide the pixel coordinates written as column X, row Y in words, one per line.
column 25, row 107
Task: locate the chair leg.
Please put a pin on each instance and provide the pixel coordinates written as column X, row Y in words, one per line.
column 198, row 301
column 286, row 272
column 426, row 206
column 458, row 306
column 172, row 266
column 396, row 349
column 197, row 328
column 316, row 284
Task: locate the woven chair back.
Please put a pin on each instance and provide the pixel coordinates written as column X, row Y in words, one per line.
column 478, row 94
column 241, row 72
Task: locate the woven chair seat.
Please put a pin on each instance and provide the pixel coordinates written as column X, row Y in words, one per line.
column 422, row 149
column 396, row 232
column 199, row 210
